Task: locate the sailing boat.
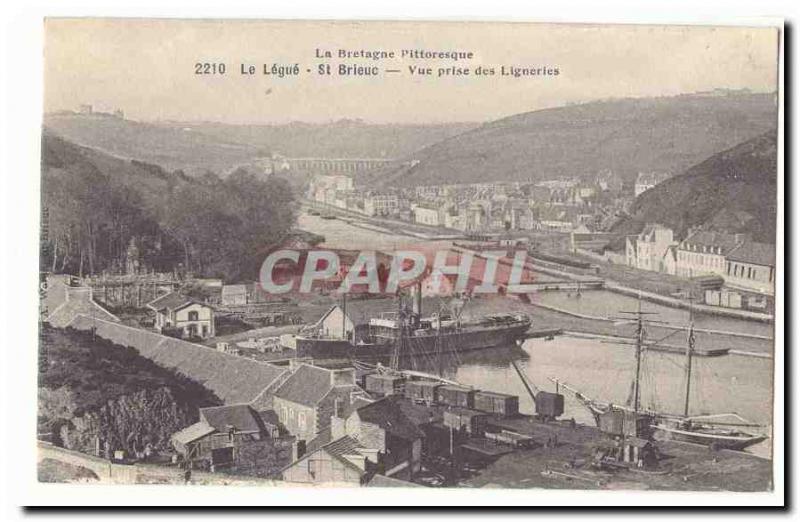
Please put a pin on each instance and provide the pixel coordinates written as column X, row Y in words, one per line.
column 723, row 431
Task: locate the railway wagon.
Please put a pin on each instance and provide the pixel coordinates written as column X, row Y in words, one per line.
column 451, row 395
column 422, row 391
column 493, row 402
column 384, row 384
column 549, row 405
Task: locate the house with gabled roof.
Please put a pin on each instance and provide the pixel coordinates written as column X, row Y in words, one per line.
column 704, row 252
column 751, row 266
column 309, row 397
column 384, row 428
column 649, row 250
column 339, row 462
column 236, row 437
column 178, row 312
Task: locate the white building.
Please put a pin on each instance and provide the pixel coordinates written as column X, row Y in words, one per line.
column 705, row 253
column 751, row 266
column 427, row 215
column 650, row 249
column 182, row 313
column 381, row 204
column 647, row 180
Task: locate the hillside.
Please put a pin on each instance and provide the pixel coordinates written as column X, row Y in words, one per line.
column 90, row 388
column 200, row 146
column 100, row 206
column 625, row 135
column 733, row 191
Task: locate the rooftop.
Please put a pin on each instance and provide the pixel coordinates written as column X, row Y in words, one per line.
column 233, row 379
column 389, row 416
column 240, row 416
column 171, row 301
column 754, row 253
column 308, row 385
column 704, row 238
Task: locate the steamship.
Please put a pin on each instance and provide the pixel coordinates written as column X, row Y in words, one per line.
column 408, row 332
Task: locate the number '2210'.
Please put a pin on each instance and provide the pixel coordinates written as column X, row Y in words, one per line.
column 209, row 68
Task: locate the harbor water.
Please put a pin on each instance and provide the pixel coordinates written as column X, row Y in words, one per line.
column 600, row 369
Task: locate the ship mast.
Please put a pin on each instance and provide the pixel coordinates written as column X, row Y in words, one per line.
column 639, row 335
column 689, row 354
column 439, row 343
column 398, row 346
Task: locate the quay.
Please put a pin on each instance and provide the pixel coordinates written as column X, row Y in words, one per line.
column 564, row 464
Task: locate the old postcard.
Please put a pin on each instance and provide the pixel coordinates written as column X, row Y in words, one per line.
column 426, row 255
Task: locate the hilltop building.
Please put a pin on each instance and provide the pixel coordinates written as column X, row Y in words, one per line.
column 647, row 180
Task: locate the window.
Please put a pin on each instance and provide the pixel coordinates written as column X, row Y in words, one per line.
column 301, row 421
column 193, row 316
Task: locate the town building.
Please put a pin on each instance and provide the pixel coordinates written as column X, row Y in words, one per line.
column 427, row 215
column 334, row 324
column 310, row 396
column 236, row 438
column 381, row 204
column 647, row 180
column 242, row 294
column 392, row 438
column 751, row 266
column 339, row 462
column 188, row 317
column 704, row 253
column 650, row 249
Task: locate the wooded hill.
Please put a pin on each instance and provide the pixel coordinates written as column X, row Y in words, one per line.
column 95, row 205
column 733, row 191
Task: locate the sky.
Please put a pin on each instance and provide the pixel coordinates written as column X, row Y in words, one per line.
column 147, row 67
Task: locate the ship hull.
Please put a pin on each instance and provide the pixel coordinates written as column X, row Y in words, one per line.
column 457, row 342
column 732, row 442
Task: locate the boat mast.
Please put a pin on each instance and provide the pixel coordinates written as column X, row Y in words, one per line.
column 439, row 362
column 344, row 315
column 689, row 354
column 639, row 335
column 398, row 346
